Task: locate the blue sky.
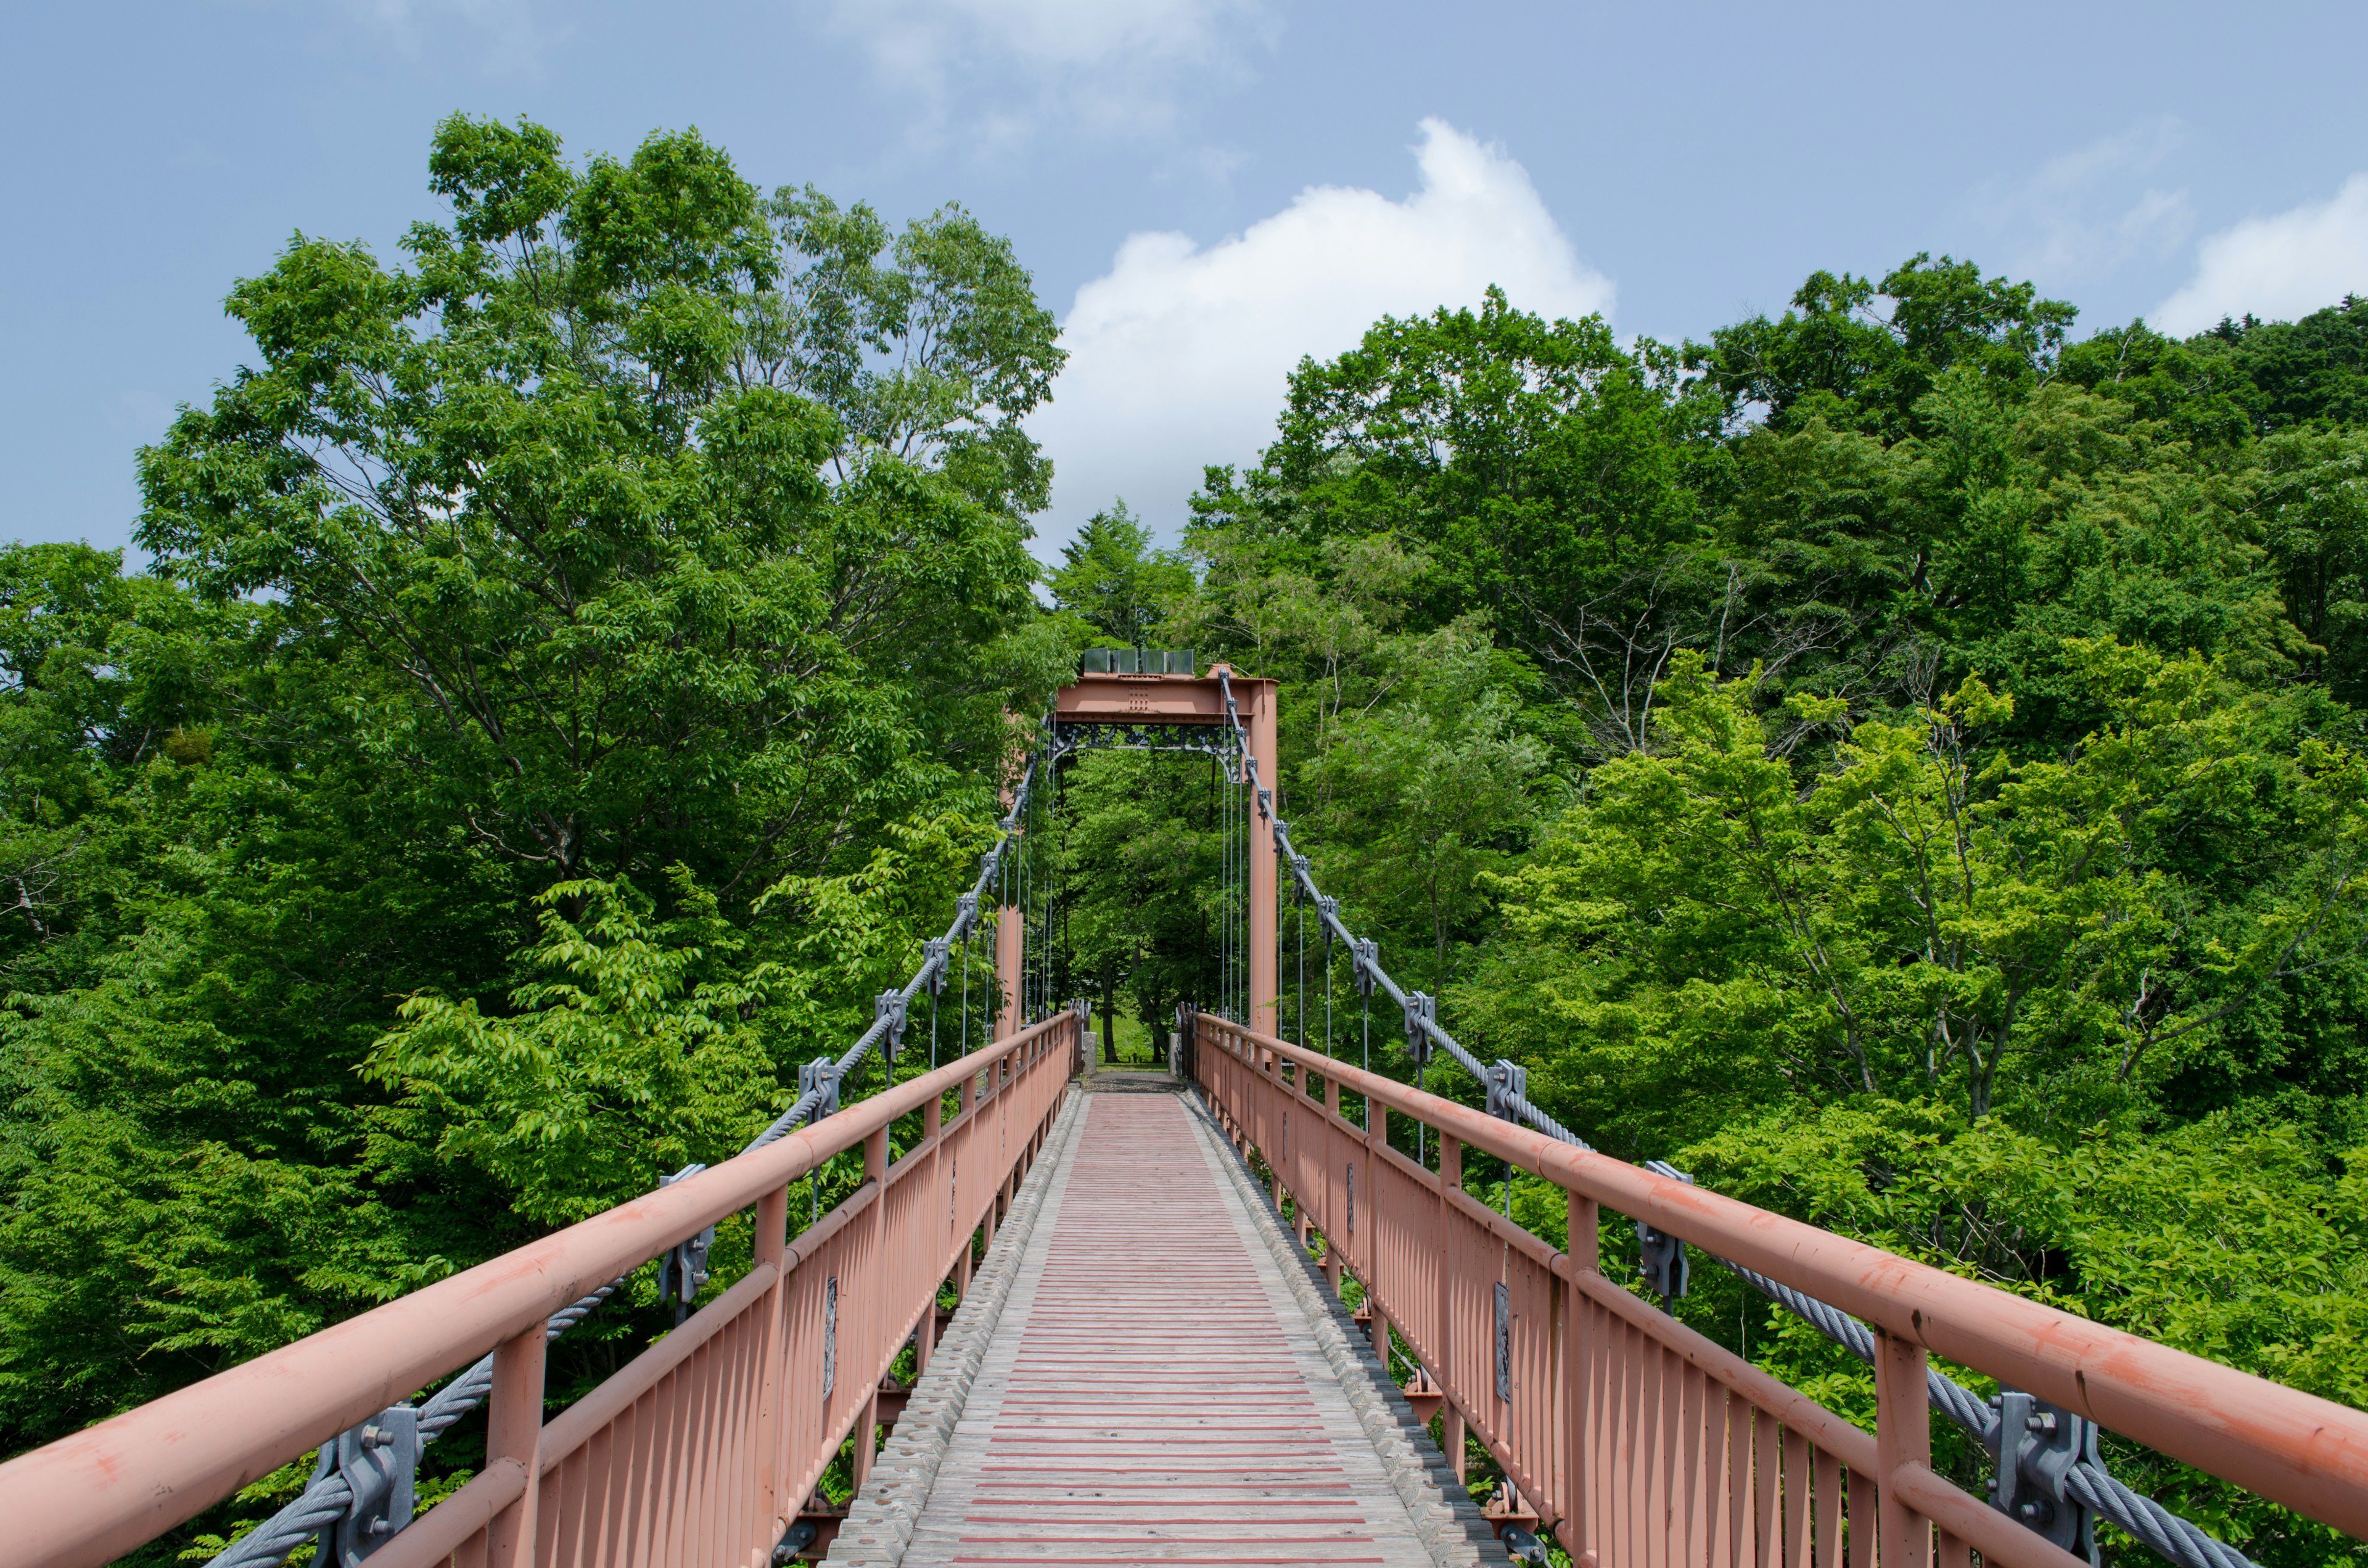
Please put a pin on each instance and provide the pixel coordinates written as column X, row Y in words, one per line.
column 1205, row 189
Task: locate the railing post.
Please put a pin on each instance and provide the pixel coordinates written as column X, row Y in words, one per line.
column 933, row 1122
column 1331, row 1126
column 1903, row 1436
column 963, row 1107
column 1451, row 1420
column 1279, row 1156
column 772, row 1246
column 875, row 1169
column 1584, row 1225
column 514, row 1431
column 1368, row 1260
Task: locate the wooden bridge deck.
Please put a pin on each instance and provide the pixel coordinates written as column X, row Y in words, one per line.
column 1154, row 1390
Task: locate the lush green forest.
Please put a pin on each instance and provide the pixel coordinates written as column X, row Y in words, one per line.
column 1900, row 759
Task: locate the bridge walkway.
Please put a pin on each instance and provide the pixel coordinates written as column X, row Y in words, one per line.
column 1156, row 1387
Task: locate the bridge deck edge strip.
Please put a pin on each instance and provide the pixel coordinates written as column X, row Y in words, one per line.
column 882, row 1516
column 1445, row 1519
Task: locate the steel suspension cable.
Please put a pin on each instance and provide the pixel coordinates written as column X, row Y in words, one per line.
column 327, row 1496
column 2166, row 1533
column 1302, row 976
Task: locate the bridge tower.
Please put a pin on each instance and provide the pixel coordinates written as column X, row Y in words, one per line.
column 1181, row 708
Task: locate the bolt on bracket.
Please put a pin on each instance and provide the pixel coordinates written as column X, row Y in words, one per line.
column 821, row 1073
column 379, row 1460
column 1661, row 1261
column 1421, row 1017
column 889, row 1008
column 682, row 1271
column 2035, row 1447
column 1508, row 1082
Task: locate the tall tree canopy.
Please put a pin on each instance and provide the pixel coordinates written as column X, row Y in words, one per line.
column 567, row 660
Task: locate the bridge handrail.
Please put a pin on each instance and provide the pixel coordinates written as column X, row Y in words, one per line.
column 2292, row 1448
column 90, row 1497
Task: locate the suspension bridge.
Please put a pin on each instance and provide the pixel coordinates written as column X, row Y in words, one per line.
column 1154, row 1357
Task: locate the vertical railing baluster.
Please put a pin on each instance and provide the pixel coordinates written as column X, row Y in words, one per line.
column 1443, row 1324
column 1766, row 1544
column 933, row 1119
column 1738, row 1482
column 1580, row 1381
column 514, row 1431
column 1796, row 1500
column 866, row 1421
column 1903, row 1436
column 1828, row 1504
column 772, row 1245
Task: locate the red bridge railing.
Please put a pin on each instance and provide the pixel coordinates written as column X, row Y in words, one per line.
column 701, row 1449
column 1638, row 1442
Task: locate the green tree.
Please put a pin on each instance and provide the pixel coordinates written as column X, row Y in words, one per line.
column 1927, row 918
column 1113, row 579
column 515, row 649
column 930, row 346
column 628, row 620
column 1866, row 352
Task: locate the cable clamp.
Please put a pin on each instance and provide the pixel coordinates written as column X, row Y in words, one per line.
column 1300, row 880
column 1364, row 964
column 1421, row 1018
column 2035, row 1448
column 936, row 959
column 682, row 1269
column 379, row 1460
column 1508, row 1086
column 1661, row 1258
column 889, row 1008
column 820, row 1075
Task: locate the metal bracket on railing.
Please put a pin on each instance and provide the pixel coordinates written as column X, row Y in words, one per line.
column 936, row 959
column 821, row 1073
column 1299, row 877
column 1661, row 1260
column 2035, row 1447
column 1524, row 1546
column 1365, row 962
column 1421, row 1016
column 1506, row 1083
column 682, row 1271
column 965, row 916
column 379, row 1460
column 1503, row 1343
column 1328, row 910
column 889, row 1008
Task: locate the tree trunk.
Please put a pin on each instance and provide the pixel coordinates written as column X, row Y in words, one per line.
column 1110, row 1014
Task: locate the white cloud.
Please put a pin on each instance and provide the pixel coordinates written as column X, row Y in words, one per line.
column 2278, row 268
column 1115, row 64
column 501, row 36
column 2078, row 219
column 1177, row 354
